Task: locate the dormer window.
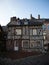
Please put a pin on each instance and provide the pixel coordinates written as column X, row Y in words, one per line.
column 18, row 23
column 25, row 22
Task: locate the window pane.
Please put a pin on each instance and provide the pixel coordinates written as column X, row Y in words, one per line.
column 39, row 31
column 33, row 44
column 44, row 27
column 48, row 26
column 25, row 22
column 31, row 31
column 12, row 30
column 34, row 32
column 23, row 30
column 18, row 23
column 27, row 31
column 25, row 44
column 18, row 31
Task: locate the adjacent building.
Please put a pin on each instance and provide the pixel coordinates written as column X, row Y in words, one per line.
column 2, row 39
column 46, row 33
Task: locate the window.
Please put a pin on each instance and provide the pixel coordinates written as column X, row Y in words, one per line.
column 34, row 32
column 18, row 23
column 44, row 27
column 16, row 45
column 18, row 31
column 25, row 30
column 39, row 31
column 9, row 31
column 44, row 37
column 12, row 30
column 48, row 27
column 25, row 44
column 31, row 31
column 44, row 33
column 26, row 23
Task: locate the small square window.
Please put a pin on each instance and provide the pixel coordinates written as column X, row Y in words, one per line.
column 18, row 31
column 25, row 22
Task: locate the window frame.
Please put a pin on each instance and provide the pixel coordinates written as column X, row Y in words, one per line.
column 24, row 43
column 48, row 27
column 44, row 27
column 34, row 30
column 19, row 31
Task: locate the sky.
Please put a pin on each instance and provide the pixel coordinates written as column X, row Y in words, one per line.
column 22, row 9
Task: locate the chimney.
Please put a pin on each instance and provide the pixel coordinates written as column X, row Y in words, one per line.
column 30, row 16
column 13, row 19
column 38, row 16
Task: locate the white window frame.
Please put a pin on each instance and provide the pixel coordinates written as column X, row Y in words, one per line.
column 34, row 31
column 31, row 31
column 18, row 31
column 18, row 23
column 48, row 27
column 44, row 27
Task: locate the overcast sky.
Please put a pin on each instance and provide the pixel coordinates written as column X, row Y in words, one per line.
column 23, row 9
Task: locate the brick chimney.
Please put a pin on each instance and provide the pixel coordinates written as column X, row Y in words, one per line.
column 30, row 16
column 38, row 16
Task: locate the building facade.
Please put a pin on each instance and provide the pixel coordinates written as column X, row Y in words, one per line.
column 24, row 34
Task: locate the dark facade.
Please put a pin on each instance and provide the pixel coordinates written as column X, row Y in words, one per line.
column 2, row 39
column 24, row 34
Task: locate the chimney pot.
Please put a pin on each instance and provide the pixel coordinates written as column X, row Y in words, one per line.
column 38, row 16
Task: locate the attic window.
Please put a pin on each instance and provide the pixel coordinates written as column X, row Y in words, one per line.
column 25, row 22
column 18, row 23
column 44, row 27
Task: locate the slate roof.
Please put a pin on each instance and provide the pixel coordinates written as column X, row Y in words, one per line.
column 44, row 20
column 22, row 22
